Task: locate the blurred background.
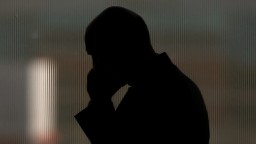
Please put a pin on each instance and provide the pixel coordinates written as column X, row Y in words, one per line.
column 43, row 63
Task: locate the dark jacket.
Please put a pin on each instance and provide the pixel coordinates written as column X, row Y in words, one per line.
column 163, row 106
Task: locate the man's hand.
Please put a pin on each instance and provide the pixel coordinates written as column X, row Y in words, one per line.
column 102, row 84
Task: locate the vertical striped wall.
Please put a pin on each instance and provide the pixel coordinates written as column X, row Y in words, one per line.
column 211, row 41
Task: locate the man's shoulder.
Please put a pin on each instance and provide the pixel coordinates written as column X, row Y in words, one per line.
column 168, row 76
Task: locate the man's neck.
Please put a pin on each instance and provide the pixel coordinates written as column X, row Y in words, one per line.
column 143, row 69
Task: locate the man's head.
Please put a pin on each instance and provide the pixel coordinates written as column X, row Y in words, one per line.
column 118, row 39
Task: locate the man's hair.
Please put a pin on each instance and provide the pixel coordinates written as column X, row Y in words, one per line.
column 117, row 30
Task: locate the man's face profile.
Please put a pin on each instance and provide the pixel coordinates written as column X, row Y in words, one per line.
column 118, row 40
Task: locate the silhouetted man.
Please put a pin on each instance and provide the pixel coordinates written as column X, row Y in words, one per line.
column 162, row 105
